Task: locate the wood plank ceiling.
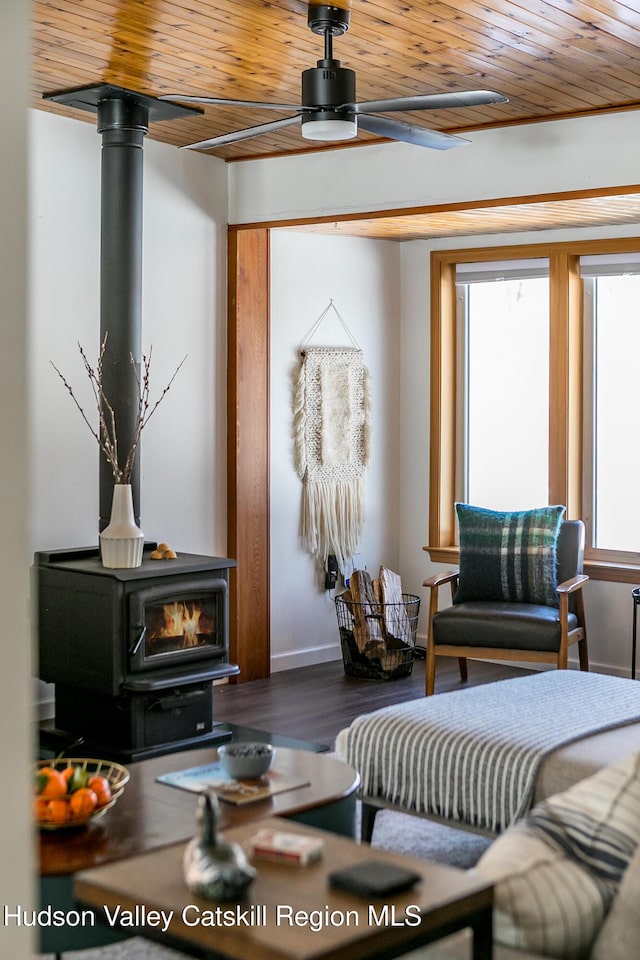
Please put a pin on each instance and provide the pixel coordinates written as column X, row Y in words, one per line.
column 579, row 210
column 551, row 58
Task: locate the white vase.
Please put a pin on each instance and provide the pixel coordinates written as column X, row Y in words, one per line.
column 122, row 541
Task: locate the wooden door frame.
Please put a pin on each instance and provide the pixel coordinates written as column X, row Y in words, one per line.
column 248, row 488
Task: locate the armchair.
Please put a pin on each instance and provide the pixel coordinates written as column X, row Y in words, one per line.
column 506, row 630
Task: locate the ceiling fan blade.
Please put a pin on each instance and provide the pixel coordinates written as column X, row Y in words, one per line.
column 431, row 101
column 419, row 136
column 218, row 102
column 243, row 134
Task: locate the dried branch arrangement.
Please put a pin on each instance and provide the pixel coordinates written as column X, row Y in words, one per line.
column 106, row 432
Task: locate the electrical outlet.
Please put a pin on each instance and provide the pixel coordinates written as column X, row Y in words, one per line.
column 351, row 564
column 331, row 576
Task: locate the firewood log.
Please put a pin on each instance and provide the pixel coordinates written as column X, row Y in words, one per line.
column 396, row 620
column 368, row 621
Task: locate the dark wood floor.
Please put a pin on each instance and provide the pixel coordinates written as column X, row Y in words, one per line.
column 315, row 703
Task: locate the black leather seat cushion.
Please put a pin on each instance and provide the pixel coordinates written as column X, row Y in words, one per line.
column 512, row 626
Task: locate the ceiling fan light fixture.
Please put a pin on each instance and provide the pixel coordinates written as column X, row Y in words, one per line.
column 336, row 129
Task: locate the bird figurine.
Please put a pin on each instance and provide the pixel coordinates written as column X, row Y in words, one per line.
column 214, row 869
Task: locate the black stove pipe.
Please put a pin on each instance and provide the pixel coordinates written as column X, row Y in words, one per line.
column 123, row 121
column 123, row 124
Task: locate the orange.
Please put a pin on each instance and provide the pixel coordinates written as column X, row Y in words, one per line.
column 40, row 808
column 57, row 811
column 99, row 783
column 102, row 789
column 104, row 796
column 82, row 803
column 53, row 783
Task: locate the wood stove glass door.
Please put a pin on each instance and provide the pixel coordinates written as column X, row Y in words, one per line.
column 169, row 628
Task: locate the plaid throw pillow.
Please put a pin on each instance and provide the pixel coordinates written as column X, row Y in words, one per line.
column 508, row 555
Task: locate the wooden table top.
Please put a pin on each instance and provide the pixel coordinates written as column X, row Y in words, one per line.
column 349, row 930
column 150, row 815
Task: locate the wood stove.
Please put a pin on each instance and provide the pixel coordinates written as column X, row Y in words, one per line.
column 133, row 652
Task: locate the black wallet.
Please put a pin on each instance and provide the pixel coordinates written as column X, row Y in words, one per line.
column 374, row 878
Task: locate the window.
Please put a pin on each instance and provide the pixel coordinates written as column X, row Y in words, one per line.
column 503, row 400
column 612, row 457
column 534, row 390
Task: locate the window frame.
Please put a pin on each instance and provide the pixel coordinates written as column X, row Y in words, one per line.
column 566, row 388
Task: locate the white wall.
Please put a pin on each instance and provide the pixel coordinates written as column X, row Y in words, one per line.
column 16, row 748
column 581, row 153
column 183, row 459
column 183, row 312
column 362, row 277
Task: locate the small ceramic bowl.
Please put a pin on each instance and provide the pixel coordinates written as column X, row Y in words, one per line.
column 246, row 761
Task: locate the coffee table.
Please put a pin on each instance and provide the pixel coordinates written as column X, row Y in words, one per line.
column 290, row 912
column 150, row 815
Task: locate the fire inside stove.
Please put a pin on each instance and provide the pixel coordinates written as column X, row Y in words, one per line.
column 179, row 625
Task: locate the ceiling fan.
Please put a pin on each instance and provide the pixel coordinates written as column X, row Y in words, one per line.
column 329, row 110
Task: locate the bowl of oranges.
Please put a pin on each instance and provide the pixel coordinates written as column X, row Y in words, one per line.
column 73, row 792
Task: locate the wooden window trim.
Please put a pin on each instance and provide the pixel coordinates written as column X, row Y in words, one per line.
column 566, row 387
column 596, row 569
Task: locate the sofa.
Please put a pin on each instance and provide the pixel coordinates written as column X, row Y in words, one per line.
column 566, row 871
column 567, row 876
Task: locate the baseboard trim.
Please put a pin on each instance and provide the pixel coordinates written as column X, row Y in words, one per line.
column 304, row 658
column 573, row 662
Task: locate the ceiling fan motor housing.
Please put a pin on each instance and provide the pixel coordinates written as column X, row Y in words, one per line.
column 324, row 89
column 328, row 85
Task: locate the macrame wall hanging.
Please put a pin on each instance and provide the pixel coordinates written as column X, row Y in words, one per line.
column 332, row 429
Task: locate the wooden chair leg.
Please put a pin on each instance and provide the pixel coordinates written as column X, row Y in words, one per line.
column 430, row 666
column 583, row 650
column 462, row 665
column 583, row 653
column 563, row 649
column 430, row 671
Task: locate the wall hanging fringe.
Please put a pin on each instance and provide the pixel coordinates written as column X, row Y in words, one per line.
column 332, row 432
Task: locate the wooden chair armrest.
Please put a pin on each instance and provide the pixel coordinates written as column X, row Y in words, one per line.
column 439, row 578
column 570, row 586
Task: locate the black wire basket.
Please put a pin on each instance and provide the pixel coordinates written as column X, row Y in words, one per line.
column 378, row 640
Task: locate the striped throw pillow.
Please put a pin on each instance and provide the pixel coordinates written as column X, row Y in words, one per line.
column 557, row 871
column 620, row 935
column 508, row 555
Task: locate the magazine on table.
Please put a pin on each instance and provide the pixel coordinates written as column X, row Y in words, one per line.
column 212, row 776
